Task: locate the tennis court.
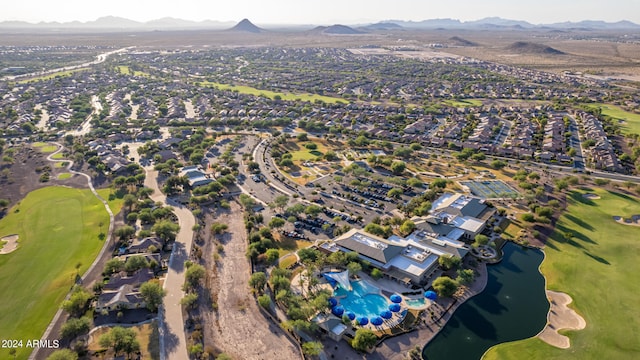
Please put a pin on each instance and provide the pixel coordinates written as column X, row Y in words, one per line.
column 490, row 189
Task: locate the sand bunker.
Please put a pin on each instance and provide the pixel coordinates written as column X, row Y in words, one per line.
column 591, row 196
column 633, row 221
column 10, row 245
column 560, row 317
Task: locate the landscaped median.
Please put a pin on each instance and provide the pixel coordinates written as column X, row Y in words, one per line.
column 59, row 237
column 594, row 260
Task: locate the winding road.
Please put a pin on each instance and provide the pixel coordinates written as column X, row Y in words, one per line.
column 173, row 344
column 99, row 59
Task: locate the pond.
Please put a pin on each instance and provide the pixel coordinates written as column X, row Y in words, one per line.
column 513, row 306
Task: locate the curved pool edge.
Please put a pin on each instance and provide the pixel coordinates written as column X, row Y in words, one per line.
column 381, row 300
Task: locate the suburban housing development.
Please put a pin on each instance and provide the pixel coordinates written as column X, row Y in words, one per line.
column 393, row 190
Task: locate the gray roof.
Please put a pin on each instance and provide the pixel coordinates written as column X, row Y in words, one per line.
column 462, row 205
column 135, row 280
column 143, row 244
column 126, row 295
column 474, row 208
column 368, row 245
column 428, row 226
column 444, row 246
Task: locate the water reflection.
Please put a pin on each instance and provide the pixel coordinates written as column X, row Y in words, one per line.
column 513, row 306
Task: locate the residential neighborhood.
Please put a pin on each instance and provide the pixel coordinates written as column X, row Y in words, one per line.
column 175, row 189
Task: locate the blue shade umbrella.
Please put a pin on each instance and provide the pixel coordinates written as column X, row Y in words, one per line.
column 394, row 307
column 333, row 302
column 351, row 315
column 386, row 314
column 431, row 295
column 362, row 320
column 395, row 298
column 377, row 321
column 337, row 310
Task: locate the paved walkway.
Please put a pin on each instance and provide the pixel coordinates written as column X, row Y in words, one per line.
column 397, row 347
column 173, row 344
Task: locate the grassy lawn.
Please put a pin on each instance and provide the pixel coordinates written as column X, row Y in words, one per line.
column 48, row 149
column 58, row 156
column 630, row 121
column 272, row 94
column 598, row 267
column 50, row 76
column 146, row 334
column 115, row 204
column 288, row 261
column 45, row 148
column 288, row 245
column 127, row 71
column 300, row 153
column 64, row 176
column 58, row 229
column 463, row 103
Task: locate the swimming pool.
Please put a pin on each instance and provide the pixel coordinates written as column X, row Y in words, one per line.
column 363, row 300
column 416, row 303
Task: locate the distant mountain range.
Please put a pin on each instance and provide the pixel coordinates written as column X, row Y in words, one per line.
column 496, row 22
column 114, row 22
column 168, row 23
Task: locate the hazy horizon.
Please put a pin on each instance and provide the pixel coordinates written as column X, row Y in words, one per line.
column 327, row 12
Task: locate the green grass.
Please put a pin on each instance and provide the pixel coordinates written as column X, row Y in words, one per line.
column 272, row 94
column 300, row 153
column 58, row 156
column 288, row 261
column 115, row 204
column 64, row 176
column 123, row 69
column 598, row 268
column 630, row 121
column 58, row 228
column 45, row 148
column 50, row 76
column 48, row 149
column 463, row 103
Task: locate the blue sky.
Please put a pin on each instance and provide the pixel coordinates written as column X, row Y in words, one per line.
column 323, row 11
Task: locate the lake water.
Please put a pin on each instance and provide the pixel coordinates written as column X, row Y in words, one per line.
column 513, row 306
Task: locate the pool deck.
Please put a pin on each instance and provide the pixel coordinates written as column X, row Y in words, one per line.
column 396, row 348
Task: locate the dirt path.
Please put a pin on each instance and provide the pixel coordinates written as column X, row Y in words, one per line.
column 238, row 327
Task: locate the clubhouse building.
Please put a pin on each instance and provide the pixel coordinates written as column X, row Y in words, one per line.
column 453, row 219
